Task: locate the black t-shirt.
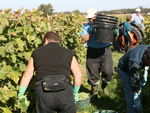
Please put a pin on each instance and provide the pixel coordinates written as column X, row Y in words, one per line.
column 52, row 59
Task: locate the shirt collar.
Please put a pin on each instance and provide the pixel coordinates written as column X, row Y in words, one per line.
column 53, row 43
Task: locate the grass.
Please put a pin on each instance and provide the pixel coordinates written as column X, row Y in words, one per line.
column 115, row 101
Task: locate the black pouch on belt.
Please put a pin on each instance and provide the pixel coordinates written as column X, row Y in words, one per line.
column 54, row 82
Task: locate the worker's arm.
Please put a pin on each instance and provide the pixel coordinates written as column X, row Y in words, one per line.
column 83, row 23
column 76, row 72
column 134, row 73
column 144, row 79
column 86, row 33
column 128, row 27
column 86, row 38
column 26, row 79
column 142, row 18
column 27, row 74
column 129, row 34
column 77, row 77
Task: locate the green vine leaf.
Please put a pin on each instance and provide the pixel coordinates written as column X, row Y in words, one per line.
column 22, row 66
column 22, row 105
column 13, row 57
column 5, row 110
column 1, row 29
column 20, row 44
column 9, row 47
column 2, row 38
column 2, row 51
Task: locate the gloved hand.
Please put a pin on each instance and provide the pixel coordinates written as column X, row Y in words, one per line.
column 94, row 30
column 144, row 79
column 137, row 102
column 75, row 92
column 21, row 93
column 117, row 32
column 26, row 101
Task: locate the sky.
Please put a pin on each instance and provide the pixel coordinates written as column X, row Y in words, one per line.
column 71, row 5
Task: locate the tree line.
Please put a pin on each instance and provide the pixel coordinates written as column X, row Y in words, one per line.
column 48, row 9
column 126, row 11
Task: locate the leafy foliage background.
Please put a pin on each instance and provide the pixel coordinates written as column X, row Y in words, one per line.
column 20, row 34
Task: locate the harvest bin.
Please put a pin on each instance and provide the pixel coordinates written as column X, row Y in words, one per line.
column 101, row 16
column 81, row 104
column 105, row 28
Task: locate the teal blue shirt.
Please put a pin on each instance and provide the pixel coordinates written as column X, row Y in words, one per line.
column 88, row 28
column 126, row 28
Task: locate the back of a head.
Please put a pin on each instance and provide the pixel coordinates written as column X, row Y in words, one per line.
column 128, row 17
column 51, row 36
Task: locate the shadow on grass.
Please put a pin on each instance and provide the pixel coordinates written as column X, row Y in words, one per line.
column 83, row 89
column 106, row 103
column 116, row 103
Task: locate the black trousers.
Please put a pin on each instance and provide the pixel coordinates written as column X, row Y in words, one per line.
column 99, row 60
column 128, row 40
column 54, row 102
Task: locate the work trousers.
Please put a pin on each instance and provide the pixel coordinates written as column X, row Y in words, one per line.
column 128, row 40
column 125, row 78
column 99, row 60
column 54, row 102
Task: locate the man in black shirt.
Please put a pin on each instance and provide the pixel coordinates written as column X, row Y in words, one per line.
column 52, row 59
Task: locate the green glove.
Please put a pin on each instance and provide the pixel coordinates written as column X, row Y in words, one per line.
column 21, row 93
column 75, row 92
column 26, row 101
column 117, row 32
column 137, row 102
column 144, row 79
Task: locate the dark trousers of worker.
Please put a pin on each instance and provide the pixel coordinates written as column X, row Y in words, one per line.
column 54, row 102
column 125, row 78
column 99, row 60
column 128, row 40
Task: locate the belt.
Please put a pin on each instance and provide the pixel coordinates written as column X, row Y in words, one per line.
column 40, row 82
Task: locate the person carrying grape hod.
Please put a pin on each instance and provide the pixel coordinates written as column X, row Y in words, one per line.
column 99, row 57
column 53, row 89
column 129, row 68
